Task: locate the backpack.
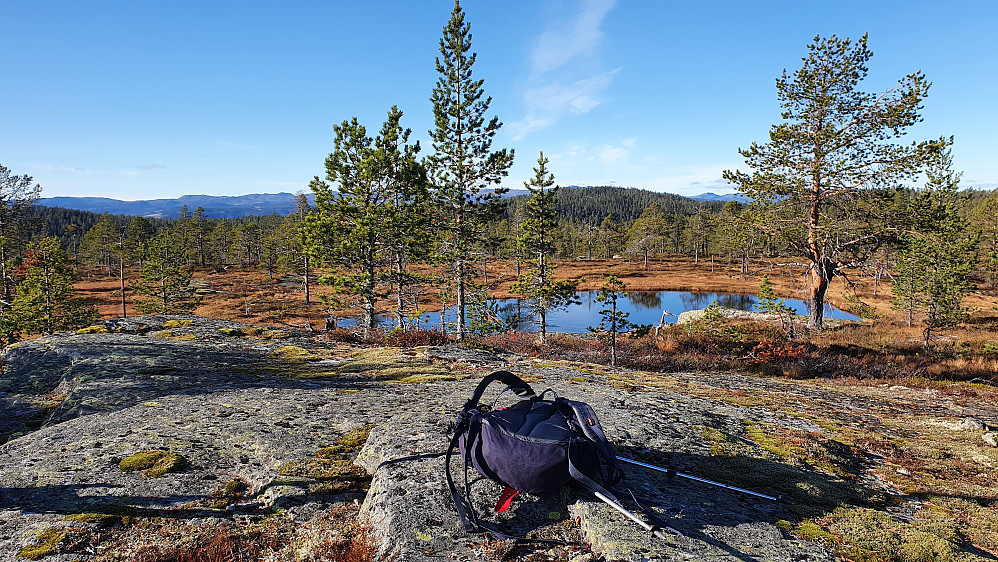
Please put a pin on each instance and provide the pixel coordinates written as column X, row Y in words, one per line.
column 536, row 446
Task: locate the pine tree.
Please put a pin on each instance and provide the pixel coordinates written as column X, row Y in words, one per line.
column 645, row 234
column 200, row 228
column 938, row 254
column 823, row 182
column 17, row 195
column 44, row 301
column 537, row 285
column 365, row 226
column 735, row 236
column 299, row 258
column 612, row 319
column 137, row 236
column 463, row 164
column 98, row 243
column 984, row 222
column 220, row 244
column 165, row 280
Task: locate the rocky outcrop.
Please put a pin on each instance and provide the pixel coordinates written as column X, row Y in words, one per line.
column 270, row 409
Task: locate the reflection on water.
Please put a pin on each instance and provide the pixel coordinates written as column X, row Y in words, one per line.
column 641, row 307
column 645, row 300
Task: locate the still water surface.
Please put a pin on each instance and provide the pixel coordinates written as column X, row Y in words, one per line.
column 641, row 307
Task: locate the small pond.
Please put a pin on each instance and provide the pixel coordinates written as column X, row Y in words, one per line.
column 641, row 307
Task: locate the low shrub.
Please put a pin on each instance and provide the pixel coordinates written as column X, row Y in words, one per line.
column 414, row 338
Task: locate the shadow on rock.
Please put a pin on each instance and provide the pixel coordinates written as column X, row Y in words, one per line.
column 65, row 376
column 70, row 499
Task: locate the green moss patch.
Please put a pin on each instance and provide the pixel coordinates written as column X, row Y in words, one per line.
column 107, row 516
column 294, row 353
column 397, row 365
column 332, row 475
column 332, row 468
column 50, row 540
column 812, row 448
column 99, row 329
column 153, row 463
column 869, row 535
column 234, row 332
column 177, row 323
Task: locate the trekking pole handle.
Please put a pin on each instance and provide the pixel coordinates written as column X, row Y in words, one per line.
column 672, row 472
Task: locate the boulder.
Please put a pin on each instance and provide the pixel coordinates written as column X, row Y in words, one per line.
column 972, row 424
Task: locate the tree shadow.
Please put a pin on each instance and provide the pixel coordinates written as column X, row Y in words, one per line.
column 702, row 512
column 74, row 499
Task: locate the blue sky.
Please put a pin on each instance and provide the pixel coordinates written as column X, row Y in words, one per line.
column 143, row 100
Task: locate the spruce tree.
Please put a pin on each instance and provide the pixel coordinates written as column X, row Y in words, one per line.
column 823, row 183
column 463, row 163
column 537, row 285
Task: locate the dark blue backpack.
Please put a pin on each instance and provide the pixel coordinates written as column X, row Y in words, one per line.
column 536, row 446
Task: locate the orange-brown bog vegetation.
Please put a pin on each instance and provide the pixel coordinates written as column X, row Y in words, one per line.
column 968, row 353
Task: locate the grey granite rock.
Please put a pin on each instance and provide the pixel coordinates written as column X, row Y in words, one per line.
column 228, row 398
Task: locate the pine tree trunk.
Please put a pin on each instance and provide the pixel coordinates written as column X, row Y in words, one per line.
column 821, row 276
column 613, row 337
column 399, row 300
column 121, row 277
column 542, row 333
column 460, row 301
column 308, row 294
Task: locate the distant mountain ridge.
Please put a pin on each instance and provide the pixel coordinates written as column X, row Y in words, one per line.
column 235, row 206
column 216, row 206
column 722, row 197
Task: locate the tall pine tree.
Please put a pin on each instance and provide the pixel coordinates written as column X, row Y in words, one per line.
column 463, row 163
column 537, row 284
column 823, row 182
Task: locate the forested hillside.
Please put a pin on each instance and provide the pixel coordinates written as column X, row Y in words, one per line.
column 593, row 204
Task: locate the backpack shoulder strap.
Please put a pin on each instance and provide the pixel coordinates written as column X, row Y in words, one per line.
column 514, row 382
column 585, row 419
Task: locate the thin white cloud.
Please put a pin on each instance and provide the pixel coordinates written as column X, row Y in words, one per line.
column 62, row 168
column 558, row 88
column 578, row 97
column 150, row 167
column 578, row 36
column 613, row 154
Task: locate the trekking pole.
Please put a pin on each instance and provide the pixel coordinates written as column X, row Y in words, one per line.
column 672, row 472
column 650, row 528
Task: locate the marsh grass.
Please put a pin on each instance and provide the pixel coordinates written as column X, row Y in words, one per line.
column 338, row 535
